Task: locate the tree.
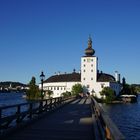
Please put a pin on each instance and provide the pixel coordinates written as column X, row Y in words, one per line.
column 129, row 90
column 108, row 93
column 76, row 89
column 33, row 92
column 66, row 94
column 49, row 93
column 137, row 89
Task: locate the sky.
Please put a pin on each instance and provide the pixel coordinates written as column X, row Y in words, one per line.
column 51, row 36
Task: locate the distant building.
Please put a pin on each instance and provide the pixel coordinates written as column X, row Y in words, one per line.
column 90, row 78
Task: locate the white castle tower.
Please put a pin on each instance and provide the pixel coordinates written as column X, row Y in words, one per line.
column 89, row 67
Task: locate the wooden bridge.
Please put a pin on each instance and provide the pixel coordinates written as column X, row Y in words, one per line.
column 58, row 119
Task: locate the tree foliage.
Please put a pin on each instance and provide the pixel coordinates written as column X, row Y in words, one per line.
column 129, row 90
column 76, row 89
column 49, row 93
column 108, row 93
column 33, row 92
column 66, row 94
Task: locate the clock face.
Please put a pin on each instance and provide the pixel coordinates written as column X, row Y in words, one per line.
column 88, row 60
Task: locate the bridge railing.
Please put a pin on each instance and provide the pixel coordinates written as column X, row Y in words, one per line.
column 16, row 115
column 107, row 130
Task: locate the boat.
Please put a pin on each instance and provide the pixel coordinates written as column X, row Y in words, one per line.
column 129, row 98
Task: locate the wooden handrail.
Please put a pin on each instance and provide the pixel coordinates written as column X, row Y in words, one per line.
column 108, row 130
column 33, row 110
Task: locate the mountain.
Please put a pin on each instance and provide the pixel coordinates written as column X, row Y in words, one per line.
column 7, row 84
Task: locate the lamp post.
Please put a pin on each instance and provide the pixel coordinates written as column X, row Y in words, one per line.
column 42, row 77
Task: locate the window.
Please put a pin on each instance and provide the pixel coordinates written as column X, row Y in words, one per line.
column 87, row 86
column 57, row 88
column 91, row 78
column 84, row 60
column 91, row 65
column 51, row 88
column 54, row 88
column 61, row 88
column 84, row 65
column 84, row 78
column 92, row 60
column 91, row 70
column 84, row 70
column 102, row 85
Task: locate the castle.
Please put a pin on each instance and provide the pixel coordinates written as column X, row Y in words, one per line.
column 89, row 77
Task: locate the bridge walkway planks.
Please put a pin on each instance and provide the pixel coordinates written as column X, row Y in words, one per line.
column 72, row 122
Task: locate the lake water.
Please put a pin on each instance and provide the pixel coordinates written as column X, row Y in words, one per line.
column 11, row 98
column 125, row 116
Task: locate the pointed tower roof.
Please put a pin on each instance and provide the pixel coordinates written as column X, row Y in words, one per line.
column 89, row 51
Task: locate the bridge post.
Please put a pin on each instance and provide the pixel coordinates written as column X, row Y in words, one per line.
column 0, row 120
column 18, row 114
column 40, row 106
column 50, row 105
column 30, row 110
column 46, row 106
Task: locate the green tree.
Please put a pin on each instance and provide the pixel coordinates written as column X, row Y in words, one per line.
column 76, row 89
column 33, row 92
column 108, row 93
column 137, row 89
column 49, row 93
column 129, row 90
column 66, row 94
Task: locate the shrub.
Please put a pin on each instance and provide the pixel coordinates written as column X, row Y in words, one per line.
column 108, row 93
column 66, row 94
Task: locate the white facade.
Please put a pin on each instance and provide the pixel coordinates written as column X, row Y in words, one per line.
column 59, row 87
column 88, row 78
column 98, row 87
column 89, row 69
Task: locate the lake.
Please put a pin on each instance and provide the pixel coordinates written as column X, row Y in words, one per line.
column 125, row 116
column 11, row 99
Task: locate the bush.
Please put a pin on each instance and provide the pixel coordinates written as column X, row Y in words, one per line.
column 108, row 93
column 66, row 94
column 49, row 93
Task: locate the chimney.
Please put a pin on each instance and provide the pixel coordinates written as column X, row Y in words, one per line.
column 117, row 76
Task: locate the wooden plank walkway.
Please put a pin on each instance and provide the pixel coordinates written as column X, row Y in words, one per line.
column 72, row 122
